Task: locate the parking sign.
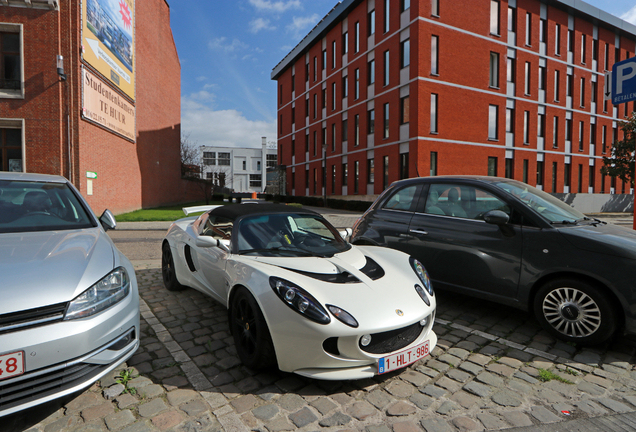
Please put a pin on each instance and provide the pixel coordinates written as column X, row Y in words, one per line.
column 624, row 81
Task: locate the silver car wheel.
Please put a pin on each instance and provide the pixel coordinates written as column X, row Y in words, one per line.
column 571, row 312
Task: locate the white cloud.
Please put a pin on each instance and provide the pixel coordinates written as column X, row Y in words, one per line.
column 222, row 44
column 259, row 24
column 201, row 78
column 275, row 6
column 300, row 26
column 209, row 86
column 630, row 16
column 222, row 128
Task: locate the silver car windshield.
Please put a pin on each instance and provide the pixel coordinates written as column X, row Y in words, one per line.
column 289, row 235
column 551, row 208
column 40, row 206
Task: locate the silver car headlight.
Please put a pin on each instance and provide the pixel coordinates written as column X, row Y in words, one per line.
column 423, row 275
column 299, row 300
column 110, row 290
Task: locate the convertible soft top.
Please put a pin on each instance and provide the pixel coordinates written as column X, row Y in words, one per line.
column 236, row 211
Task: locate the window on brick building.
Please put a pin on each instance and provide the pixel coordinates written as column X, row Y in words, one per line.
column 580, row 182
column 323, row 98
column 356, row 175
column 371, row 22
column 435, row 8
column 333, row 54
column 604, row 139
column 606, row 58
column 512, row 19
column 494, row 17
column 345, row 174
column 356, row 41
column 356, row 122
column 405, row 53
column 356, row 77
column 524, row 177
column 307, row 178
column 539, row 173
column 528, row 29
column 333, row 179
column 581, row 126
column 315, row 105
column 433, row 164
column 434, row 113
column 315, row 182
column 510, row 70
column 307, row 142
column 315, row 68
column 333, row 96
column 404, row 110
column 404, row 5
column 526, row 127
column 594, row 91
column 583, row 49
column 541, row 125
column 595, row 46
column 542, row 77
column 554, row 177
column 555, row 132
column 434, row 55
column 307, row 106
column 557, row 77
column 526, row 87
column 492, row 166
column 404, row 166
column 323, row 62
column 315, row 143
column 11, row 158
column 510, row 120
column 590, row 178
column 370, row 171
column 385, row 126
column 345, row 42
column 568, row 129
column 387, row 8
column 567, row 176
column 557, row 39
column 543, row 31
column 582, row 93
column 333, row 137
column 345, row 130
column 509, row 168
column 386, row 68
column 569, row 84
column 370, row 121
column 306, row 71
column 10, row 62
column 493, row 119
column 345, row 87
column 570, row 41
column 293, row 83
column 385, row 172
column 371, row 72
column 494, row 70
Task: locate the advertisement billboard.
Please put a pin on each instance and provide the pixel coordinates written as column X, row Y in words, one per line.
column 104, row 106
column 108, row 40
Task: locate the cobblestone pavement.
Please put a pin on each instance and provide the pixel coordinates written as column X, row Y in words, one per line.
column 493, row 369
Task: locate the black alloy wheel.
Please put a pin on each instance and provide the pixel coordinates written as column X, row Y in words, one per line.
column 575, row 311
column 167, row 269
column 251, row 335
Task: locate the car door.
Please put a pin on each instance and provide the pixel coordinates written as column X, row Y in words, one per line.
column 458, row 248
column 389, row 224
column 212, row 260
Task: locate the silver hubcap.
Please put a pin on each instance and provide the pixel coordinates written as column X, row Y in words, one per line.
column 571, row 312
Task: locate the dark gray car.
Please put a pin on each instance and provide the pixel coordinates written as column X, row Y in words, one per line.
column 508, row 242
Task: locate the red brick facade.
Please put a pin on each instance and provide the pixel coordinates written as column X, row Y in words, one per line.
column 130, row 175
column 465, row 93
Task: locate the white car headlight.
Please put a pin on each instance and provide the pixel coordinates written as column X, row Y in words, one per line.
column 105, row 293
column 423, row 275
column 299, row 300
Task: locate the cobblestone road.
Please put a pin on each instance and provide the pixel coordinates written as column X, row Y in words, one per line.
column 493, row 369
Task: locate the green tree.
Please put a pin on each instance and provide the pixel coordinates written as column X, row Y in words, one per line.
column 620, row 163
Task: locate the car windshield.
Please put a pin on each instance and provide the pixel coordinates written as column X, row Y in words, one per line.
column 40, row 206
column 551, row 208
column 289, row 235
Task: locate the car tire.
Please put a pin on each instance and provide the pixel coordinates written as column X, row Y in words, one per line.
column 168, row 271
column 251, row 336
column 575, row 311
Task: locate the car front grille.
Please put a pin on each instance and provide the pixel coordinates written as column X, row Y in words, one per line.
column 390, row 341
column 40, row 384
column 22, row 320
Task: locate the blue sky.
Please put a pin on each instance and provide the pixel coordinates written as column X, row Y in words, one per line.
column 228, row 49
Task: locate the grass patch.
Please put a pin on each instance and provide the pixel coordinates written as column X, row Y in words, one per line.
column 124, row 377
column 546, row 375
column 169, row 213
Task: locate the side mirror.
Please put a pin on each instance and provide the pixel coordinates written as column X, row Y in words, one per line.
column 346, row 234
column 224, row 245
column 206, row 241
column 107, row 220
column 496, row 217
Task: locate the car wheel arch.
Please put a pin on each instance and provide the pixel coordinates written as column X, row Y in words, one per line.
column 611, row 295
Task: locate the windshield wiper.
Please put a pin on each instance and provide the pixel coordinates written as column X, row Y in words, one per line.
column 300, row 251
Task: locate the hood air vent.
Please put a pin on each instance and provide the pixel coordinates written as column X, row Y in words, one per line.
column 372, row 269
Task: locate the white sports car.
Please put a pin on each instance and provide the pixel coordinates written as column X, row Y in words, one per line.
column 299, row 296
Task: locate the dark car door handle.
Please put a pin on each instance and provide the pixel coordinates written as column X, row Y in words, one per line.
column 414, row 231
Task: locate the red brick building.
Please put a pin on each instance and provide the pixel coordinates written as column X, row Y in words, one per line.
column 123, row 156
column 392, row 89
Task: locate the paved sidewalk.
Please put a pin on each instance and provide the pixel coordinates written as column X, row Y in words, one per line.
column 485, row 374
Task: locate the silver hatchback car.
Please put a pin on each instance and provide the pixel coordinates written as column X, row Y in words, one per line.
column 69, row 305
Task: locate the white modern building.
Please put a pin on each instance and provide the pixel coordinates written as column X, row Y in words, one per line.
column 238, row 168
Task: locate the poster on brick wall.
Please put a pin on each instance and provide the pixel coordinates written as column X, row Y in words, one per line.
column 108, row 40
column 103, row 105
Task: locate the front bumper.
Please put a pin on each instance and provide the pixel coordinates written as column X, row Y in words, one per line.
column 68, row 356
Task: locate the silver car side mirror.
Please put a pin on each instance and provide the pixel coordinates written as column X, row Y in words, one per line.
column 206, row 241
column 107, row 220
column 346, row 234
column 223, row 245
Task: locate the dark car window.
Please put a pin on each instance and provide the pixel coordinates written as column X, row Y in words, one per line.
column 403, row 199
column 40, row 206
column 462, row 201
column 218, row 227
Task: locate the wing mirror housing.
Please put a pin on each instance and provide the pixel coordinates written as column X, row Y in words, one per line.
column 224, row 245
column 346, row 234
column 496, row 217
column 107, row 220
column 206, row 241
